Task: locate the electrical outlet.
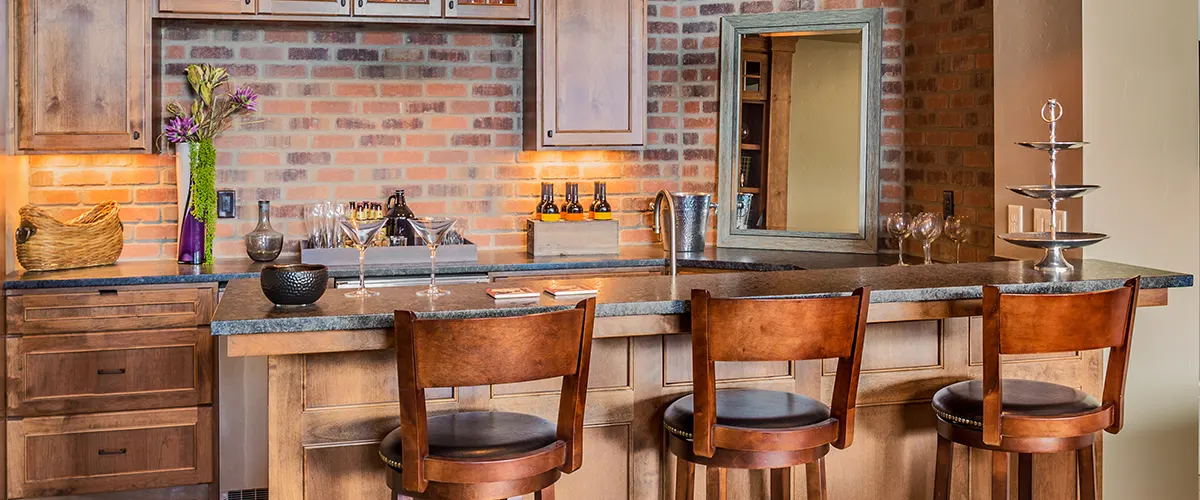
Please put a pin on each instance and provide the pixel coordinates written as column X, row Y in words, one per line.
column 226, row 204
column 1016, row 218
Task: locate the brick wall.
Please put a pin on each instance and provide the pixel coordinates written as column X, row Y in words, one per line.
column 949, row 132
column 353, row 113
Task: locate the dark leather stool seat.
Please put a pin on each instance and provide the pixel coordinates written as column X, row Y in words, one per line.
column 962, row 403
column 749, row 408
column 477, row 435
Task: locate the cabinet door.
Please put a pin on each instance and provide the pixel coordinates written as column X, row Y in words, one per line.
column 207, row 6
column 399, row 8
column 593, row 73
column 305, row 7
column 82, row 75
column 489, row 9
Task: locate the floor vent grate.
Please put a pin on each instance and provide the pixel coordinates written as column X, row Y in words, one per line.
column 255, row 494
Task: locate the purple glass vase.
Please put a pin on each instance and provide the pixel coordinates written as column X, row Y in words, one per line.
column 191, row 236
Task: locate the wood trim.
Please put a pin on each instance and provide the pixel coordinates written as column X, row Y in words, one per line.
column 285, row 403
column 305, row 7
column 522, row 9
column 429, row 9
column 240, row 7
column 778, row 134
column 501, row 25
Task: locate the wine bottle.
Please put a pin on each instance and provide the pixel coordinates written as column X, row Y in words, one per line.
column 549, row 210
column 573, row 211
column 601, row 210
column 541, row 205
column 595, row 198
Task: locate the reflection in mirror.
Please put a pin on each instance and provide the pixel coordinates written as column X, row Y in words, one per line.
column 800, row 166
column 800, row 130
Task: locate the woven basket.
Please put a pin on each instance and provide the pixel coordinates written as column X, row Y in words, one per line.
column 92, row 239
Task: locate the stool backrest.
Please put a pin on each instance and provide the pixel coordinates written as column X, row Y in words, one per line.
column 485, row 351
column 1051, row 323
column 777, row 330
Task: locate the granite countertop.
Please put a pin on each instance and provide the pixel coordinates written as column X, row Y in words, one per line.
column 245, row 310
column 165, row 271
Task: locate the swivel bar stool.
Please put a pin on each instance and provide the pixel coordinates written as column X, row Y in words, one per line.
column 758, row 429
column 1025, row 416
column 488, row 455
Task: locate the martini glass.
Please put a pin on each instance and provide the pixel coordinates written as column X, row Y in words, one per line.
column 432, row 230
column 361, row 232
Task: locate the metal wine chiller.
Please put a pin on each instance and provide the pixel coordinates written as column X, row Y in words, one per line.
column 1054, row 241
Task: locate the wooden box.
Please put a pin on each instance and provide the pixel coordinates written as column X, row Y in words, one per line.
column 592, row 237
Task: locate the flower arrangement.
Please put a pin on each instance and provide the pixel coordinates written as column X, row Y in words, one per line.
column 209, row 115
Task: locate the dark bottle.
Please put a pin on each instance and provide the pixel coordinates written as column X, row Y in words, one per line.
column 572, row 210
column 601, row 210
column 397, row 218
column 595, row 197
column 550, row 211
column 541, row 205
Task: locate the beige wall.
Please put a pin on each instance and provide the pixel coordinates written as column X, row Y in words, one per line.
column 1038, row 48
column 823, row 160
column 1140, row 113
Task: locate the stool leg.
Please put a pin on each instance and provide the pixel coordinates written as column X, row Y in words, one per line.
column 1025, row 476
column 1086, row 466
column 781, row 484
column 999, row 475
column 717, row 489
column 547, row 493
column 814, row 475
column 941, row 475
column 685, row 480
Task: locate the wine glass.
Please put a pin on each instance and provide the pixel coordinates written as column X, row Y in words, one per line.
column 956, row 230
column 361, row 232
column 926, row 227
column 432, row 230
column 899, row 225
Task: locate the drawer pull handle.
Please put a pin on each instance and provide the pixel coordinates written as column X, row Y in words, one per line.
column 119, row 371
column 112, row 452
column 108, row 292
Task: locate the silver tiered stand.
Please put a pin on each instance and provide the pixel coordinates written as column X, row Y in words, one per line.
column 1055, row 241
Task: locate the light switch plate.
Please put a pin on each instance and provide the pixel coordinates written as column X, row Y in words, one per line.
column 1041, row 220
column 1016, row 218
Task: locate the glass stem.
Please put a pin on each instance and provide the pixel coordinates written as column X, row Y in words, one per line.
column 362, row 268
column 926, row 246
column 433, row 268
column 900, row 252
column 957, row 252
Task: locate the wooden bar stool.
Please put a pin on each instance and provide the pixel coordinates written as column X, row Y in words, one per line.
column 1025, row 416
column 758, row 429
column 488, row 455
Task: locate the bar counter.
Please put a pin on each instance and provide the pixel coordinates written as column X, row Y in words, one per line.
column 332, row 376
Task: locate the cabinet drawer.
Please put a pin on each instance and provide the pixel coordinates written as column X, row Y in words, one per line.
column 109, row 452
column 109, row 309
column 83, row 373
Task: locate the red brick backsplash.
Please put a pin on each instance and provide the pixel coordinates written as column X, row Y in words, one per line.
column 353, row 113
column 948, row 125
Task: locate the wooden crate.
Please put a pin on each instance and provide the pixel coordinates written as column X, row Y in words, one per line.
column 592, row 237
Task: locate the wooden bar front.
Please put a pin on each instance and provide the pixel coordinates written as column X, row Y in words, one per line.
column 332, row 397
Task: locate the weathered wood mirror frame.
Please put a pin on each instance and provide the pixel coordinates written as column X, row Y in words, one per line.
column 733, row 28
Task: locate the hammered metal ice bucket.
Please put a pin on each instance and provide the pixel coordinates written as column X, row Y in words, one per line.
column 691, row 220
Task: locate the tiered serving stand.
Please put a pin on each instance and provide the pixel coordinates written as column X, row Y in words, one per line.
column 1055, row 241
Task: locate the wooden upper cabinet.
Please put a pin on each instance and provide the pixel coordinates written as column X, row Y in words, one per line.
column 399, row 8
column 489, row 9
column 305, row 7
column 590, row 75
column 207, row 6
column 82, row 75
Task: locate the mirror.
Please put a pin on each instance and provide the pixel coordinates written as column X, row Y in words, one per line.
column 800, row 131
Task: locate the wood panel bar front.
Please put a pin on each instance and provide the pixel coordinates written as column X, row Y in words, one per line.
column 332, row 397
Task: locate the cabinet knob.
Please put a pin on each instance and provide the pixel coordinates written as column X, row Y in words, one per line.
column 247, row 2
column 118, row 371
column 112, row 452
column 450, row 5
column 137, row 135
column 360, row 3
column 343, row 3
column 549, row 133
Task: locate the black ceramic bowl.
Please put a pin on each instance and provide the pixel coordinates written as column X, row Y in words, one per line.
column 294, row 284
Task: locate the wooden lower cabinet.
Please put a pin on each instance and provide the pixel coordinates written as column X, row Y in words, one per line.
column 207, row 6
column 327, row 413
column 79, row 454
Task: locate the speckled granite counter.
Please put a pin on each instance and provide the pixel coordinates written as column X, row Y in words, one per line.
column 245, row 310
column 158, row 272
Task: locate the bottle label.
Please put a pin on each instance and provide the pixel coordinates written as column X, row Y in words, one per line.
column 550, row 217
column 602, row 215
column 575, row 216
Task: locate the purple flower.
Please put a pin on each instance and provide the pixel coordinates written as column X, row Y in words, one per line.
column 245, row 98
column 181, row 129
